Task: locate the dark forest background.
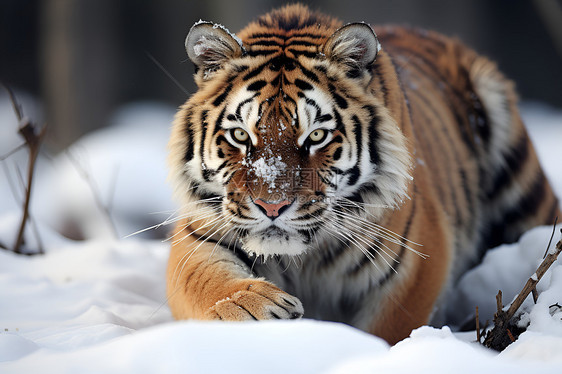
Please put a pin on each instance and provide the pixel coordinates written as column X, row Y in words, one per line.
column 84, row 58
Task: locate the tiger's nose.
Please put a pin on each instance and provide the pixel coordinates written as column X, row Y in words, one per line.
column 272, row 210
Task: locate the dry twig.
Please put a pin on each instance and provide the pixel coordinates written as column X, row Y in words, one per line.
column 478, row 335
column 104, row 208
column 505, row 331
column 33, row 137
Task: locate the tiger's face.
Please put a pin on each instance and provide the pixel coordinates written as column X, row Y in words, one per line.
column 284, row 144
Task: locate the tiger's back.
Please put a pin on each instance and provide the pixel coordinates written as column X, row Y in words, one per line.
column 361, row 180
column 471, row 138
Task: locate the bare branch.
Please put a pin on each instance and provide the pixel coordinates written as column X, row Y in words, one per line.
column 505, row 330
column 30, row 218
column 551, row 236
column 95, row 192
column 534, row 279
column 478, row 336
column 33, row 139
column 21, row 146
column 15, row 104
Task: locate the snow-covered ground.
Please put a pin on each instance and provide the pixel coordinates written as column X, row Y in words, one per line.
column 98, row 306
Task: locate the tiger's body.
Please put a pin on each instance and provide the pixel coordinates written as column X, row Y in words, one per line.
column 316, row 169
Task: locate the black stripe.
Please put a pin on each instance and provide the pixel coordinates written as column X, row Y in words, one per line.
column 323, row 118
column 238, row 115
column 313, row 103
column 499, row 231
column 357, row 131
column 222, row 165
column 204, row 129
column 310, row 215
column 373, row 133
column 515, row 159
column 208, row 174
column 266, row 42
column 263, row 52
column 251, row 74
column 218, row 122
column 240, row 68
column 339, row 123
column 337, row 153
column 354, row 174
column 338, row 171
column 309, row 74
column 307, row 35
column 302, row 84
column 337, row 139
column 321, row 69
column 302, row 42
column 340, row 101
column 257, row 85
column 219, row 100
column 266, row 35
column 220, row 139
column 529, row 203
column 188, row 156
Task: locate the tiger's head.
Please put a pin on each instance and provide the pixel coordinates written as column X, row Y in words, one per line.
column 284, row 144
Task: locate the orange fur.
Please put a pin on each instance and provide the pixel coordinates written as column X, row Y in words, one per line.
column 424, row 141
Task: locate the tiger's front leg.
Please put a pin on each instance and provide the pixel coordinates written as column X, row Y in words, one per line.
column 209, row 282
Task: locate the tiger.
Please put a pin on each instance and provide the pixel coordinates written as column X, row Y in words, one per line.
column 329, row 172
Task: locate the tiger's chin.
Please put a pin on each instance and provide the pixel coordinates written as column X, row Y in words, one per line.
column 274, row 241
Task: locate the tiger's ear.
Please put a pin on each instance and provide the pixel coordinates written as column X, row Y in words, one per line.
column 354, row 45
column 209, row 46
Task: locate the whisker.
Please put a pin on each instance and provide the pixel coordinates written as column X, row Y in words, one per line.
column 387, row 234
column 207, row 237
column 222, row 237
column 360, row 247
column 172, row 219
column 217, row 220
column 375, row 224
column 373, row 246
column 188, row 223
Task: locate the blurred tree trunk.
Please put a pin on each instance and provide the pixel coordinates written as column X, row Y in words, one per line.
column 79, row 66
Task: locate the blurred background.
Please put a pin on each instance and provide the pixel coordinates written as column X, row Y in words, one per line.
column 108, row 75
column 82, row 59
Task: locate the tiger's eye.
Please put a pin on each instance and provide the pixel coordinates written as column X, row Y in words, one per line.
column 241, row 136
column 317, row 136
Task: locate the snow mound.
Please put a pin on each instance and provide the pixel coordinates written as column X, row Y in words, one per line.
column 99, row 306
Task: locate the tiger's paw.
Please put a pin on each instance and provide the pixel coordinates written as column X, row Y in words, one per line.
column 259, row 301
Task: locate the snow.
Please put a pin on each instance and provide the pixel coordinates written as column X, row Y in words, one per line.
column 201, row 46
column 99, row 305
column 199, row 50
column 268, row 169
column 119, row 167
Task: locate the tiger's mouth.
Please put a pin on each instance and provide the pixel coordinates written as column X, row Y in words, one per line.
column 274, row 241
column 274, row 232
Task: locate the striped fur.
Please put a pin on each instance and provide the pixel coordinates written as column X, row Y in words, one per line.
column 316, row 169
